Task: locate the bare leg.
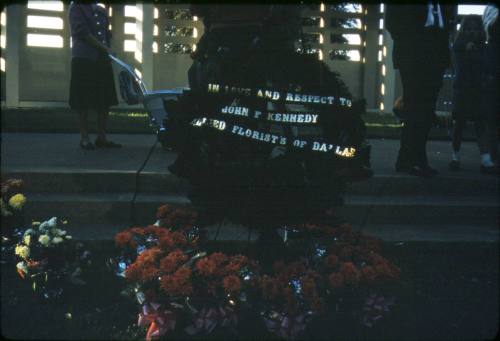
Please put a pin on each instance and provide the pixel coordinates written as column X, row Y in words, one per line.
column 83, row 124
column 102, row 122
column 458, row 129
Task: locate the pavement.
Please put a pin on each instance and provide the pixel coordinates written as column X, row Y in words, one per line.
column 94, row 189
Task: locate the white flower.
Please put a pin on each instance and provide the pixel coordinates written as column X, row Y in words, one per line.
column 21, row 267
column 28, row 232
column 49, row 224
column 44, row 240
column 59, row 232
column 57, row 240
column 68, row 237
column 27, row 239
column 52, row 222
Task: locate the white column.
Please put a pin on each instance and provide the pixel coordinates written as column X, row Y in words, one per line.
column 144, row 41
column 390, row 75
column 14, row 13
column 371, row 69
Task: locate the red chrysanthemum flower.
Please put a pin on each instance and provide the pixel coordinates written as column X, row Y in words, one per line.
column 124, row 238
column 231, row 284
column 206, row 266
column 368, row 274
column 350, row 273
column 331, row 261
column 172, row 261
column 178, row 284
column 336, row 280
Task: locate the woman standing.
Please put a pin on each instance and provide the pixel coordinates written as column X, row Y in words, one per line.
column 92, row 85
column 467, row 56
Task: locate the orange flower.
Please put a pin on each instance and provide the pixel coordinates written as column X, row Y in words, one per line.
column 232, row 284
column 124, row 238
column 236, row 263
column 331, row 261
column 336, row 280
column 178, row 284
column 206, row 266
column 172, row 261
column 368, row 274
column 350, row 273
column 218, row 258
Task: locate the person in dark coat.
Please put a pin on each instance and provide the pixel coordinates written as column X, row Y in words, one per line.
column 467, row 57
column 92, row 84
column 491, row 78
column 421, row 53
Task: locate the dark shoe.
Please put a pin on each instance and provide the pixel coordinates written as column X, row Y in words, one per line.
column 454, row 165
column 425, row 172
column 87, row 145
column 106, row 144
column 490, row 170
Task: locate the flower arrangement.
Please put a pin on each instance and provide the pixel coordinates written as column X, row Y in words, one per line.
column 49, row 258
column 172, row 277
column 329, row 273
column 12, row 200
column 329, row 269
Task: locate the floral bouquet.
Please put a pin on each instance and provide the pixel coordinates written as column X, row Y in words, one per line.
column 12, row 200
column 176, row 283
column 11, row 206
column 337, row 268
column 49, row 258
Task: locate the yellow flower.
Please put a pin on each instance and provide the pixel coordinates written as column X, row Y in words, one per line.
column 44, row 240
column 27, row 239
column 22, row 251
column 17, row 201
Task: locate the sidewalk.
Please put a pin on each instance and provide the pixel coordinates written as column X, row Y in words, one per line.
column 95, row 189
column 58, row 152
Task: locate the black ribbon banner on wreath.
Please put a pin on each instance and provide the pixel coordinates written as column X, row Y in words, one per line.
column 238, row 113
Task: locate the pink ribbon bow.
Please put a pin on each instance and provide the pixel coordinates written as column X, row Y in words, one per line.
column 158, row 319
column 287, row 327
column 207, row 319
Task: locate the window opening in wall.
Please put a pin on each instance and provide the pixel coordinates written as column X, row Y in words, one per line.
column 129, row 45
column 346, row 23
column 3, row 19
column 129, row 28
column 471, row 9
column 56, row 6
column 155, row 47
column 178, row 14
column 177, row 48
column 156, row 13
column 345, row 7
column 349, row 55
column 130, row 11
column 381, row 24
column 52, row 23
column 2, row 64
column 45, row 40
column 174, row 31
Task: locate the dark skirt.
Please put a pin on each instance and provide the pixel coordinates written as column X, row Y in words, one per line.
column 92, row 85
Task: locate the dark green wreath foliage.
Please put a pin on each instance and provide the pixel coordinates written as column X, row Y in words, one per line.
column 256, row 183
